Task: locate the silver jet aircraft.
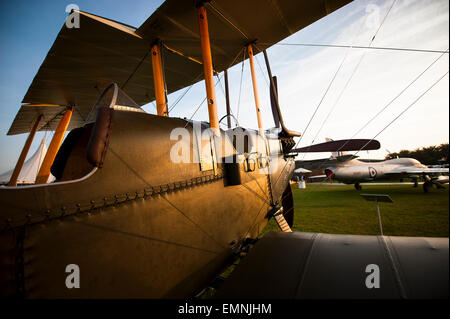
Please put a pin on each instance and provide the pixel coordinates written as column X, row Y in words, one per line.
column 348, row 169
column 355, row 171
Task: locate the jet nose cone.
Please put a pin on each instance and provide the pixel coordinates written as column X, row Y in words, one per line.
column 329, row 173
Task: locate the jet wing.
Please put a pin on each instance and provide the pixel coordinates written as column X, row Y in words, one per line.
column 82, row 61
column 411, row 170
column 301, row 265
column 317, row 176
column 324, row 162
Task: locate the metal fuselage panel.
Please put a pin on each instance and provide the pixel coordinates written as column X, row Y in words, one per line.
column 141, row 226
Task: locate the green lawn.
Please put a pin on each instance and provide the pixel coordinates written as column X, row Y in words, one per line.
column 341, row 210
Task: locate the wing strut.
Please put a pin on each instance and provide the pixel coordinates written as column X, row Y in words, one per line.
column 44, row 171
column 158, row 81
column 227, row 97
column 255, row 88
column 208, row 69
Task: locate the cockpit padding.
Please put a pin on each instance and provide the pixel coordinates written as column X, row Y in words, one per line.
column 71, row 161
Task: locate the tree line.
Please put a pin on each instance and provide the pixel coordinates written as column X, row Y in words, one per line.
column 431, row 155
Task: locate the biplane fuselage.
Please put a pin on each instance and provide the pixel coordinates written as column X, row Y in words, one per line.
column 138, row 226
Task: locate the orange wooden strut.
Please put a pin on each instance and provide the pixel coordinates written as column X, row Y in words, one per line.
column 23, row 154
column 44, row 171
column 208, row 69
column 255, row 88
column 158, row 81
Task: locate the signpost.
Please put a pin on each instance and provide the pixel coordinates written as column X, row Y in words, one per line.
column 378, row 198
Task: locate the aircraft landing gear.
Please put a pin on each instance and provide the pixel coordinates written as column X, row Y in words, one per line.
column 416, row 183
column 428, row 185
column 358, row 187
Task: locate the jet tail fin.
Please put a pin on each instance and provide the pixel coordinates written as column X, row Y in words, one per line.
column 335, row 154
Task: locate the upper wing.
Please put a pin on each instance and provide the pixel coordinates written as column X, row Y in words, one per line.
column 233, row 24
column 83, row 61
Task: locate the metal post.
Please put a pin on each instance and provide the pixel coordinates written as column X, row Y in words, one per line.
column 158, row 81
column 44, row 170
column 23, row 154
column 208, row 70
column 227, row 97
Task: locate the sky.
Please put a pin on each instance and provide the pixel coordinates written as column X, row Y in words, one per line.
column 28, row 29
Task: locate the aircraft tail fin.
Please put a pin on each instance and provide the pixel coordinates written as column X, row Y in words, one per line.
column 335, row 154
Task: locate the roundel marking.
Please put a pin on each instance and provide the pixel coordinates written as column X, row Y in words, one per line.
column 372, row 172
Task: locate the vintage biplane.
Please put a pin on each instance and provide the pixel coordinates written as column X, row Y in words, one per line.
column 134, row 221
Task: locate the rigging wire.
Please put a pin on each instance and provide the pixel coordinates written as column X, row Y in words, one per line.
column 181, row 97
column 189, row 88
column 406, row 109
column 382, row 22
column 223, row 92
column 351, row 76
column 220, row 85
column 361, row 47
column 398, row 95
column 240, row 85
column 198, row 107
column 164, row 197
column 46, row 126
column 185, row 92
column 331, row 82
column 326, row 91
column 393, row 99
column 262, row 72
column 135, row 69
column 229, row 66
column 385, row 107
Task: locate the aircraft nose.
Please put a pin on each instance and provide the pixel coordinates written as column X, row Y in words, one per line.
column 329, row 173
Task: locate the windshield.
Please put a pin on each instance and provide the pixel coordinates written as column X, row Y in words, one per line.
column 113, row 97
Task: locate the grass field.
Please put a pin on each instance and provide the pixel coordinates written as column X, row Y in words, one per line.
column 339, row 209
